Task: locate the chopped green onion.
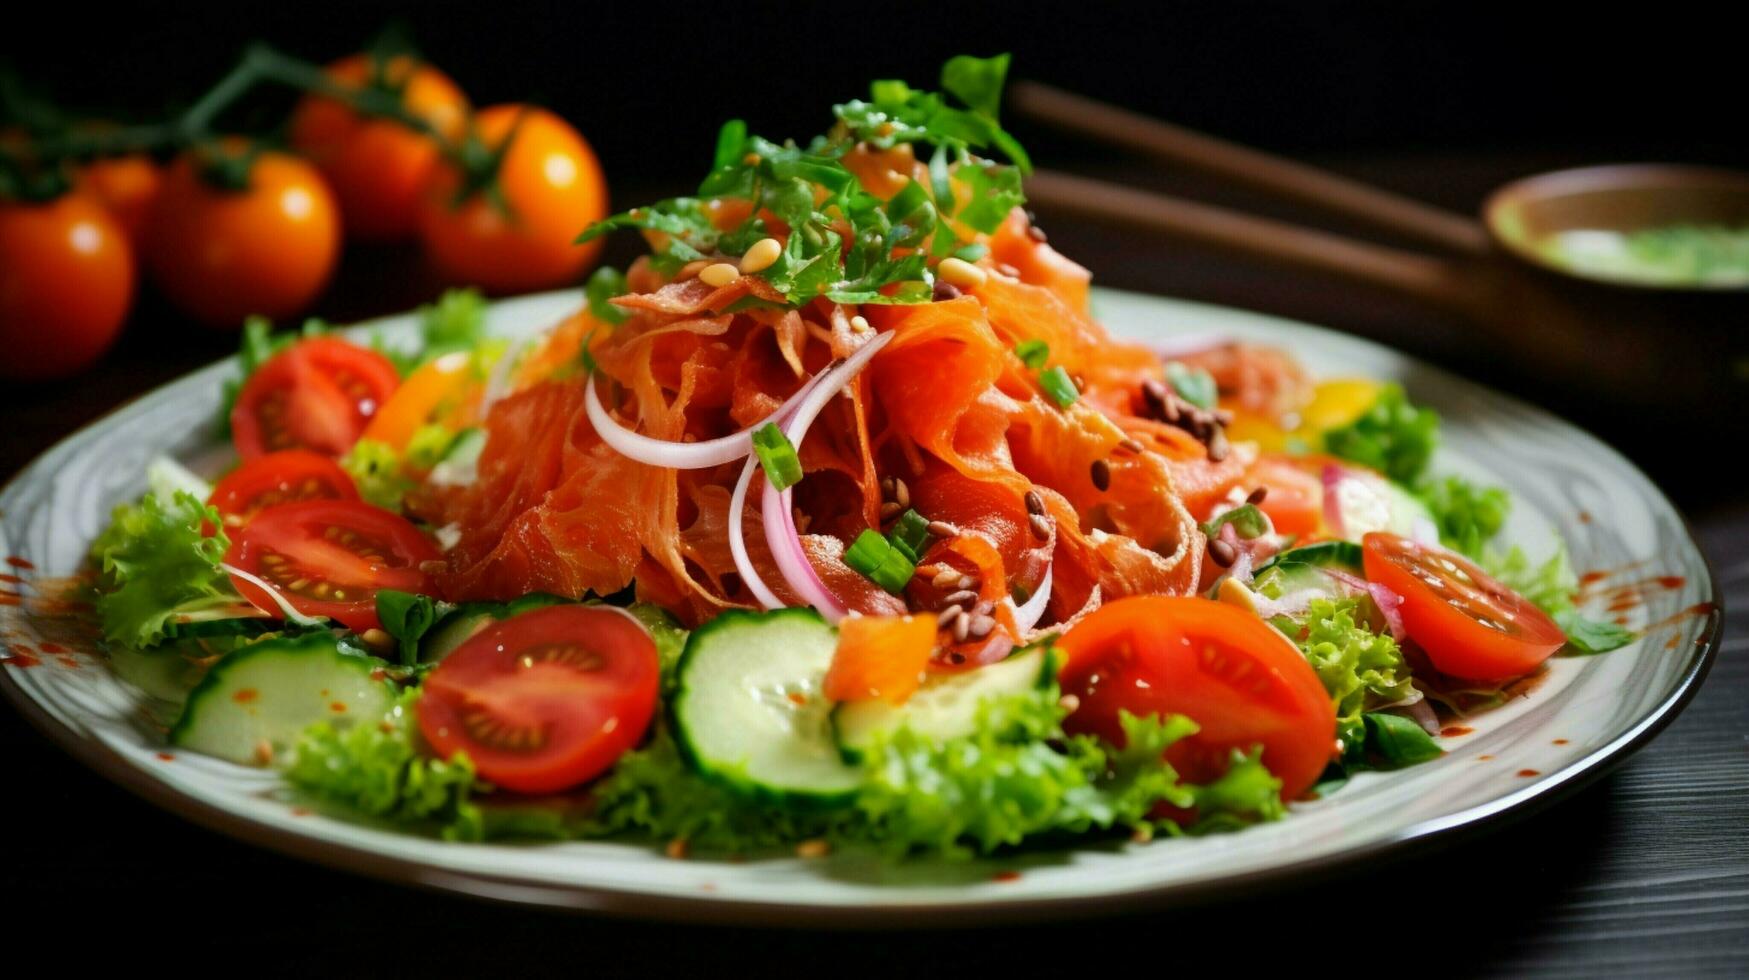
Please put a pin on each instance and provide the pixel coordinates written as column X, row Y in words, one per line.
column 1246, row 519
column 783, row 468
column 1194, row 385
column 880, row 561
column 1057, row 384
column 1032, row 353
column 972, row 252
column 910, row 534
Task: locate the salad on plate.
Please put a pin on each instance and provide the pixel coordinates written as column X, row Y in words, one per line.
column 835, row 521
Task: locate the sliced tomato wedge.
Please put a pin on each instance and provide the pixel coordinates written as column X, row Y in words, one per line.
column 318, row 394
column 1470, row 625
column 279, row 478
column 1214, row 663
column 1293, row 496
column 330, row 558
column 546, row 700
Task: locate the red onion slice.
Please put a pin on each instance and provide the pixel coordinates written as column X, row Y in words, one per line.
column 738, row 543
column 683, row 455
column 287, row 611
column 1389, row 603
column 1027, row 614
column 779, row 508
column 1332, row 477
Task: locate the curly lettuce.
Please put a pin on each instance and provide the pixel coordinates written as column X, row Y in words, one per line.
column 153, row 560
column 384, row 476
column 383, row 771
column 1393, row 436
column 1019, row 777
column 1363, row 670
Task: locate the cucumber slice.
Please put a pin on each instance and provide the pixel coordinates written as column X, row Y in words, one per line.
column 945, row 707
column 470, row 618
column 1330, row 554
column 1367, row 502
column 749, row 714
column 253, row 704
column 219, row 617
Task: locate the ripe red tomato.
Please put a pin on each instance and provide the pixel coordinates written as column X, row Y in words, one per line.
column 1214, row 663
column 318, row 394
column 554, row 188
column 223, row 254
column 379, row 167
column 1470, row 625
column 127, row 186
column 330, row 558
column 1294, row 497
column 66, row 280
column 278, row 478
column 546, row 700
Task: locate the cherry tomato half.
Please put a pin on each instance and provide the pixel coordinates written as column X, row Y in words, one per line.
column 546, row 700
column 66, row 280
column 318, row 394
column 554, row 188
column 279, row 478
column 379, row 167
column 223, row 254
column 1470, row 625
column 1214, row 663
column 330, row 557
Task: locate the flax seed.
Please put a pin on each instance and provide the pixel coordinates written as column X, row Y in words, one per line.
column 943, row 529
column 1041, row 526
column 1035, row 504
column 1257, row 495
column 1222, row 553
column 1101, row 474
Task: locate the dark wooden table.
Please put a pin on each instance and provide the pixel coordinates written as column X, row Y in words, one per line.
column 1644, row 872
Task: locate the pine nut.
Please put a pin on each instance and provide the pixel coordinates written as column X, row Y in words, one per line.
column 761, row 256
column 959, row 272
column 719, row 274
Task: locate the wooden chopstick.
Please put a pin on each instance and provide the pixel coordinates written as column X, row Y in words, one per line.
column 1286, row 179
column 1274, row 242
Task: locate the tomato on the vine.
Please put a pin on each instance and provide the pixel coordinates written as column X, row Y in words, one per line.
column 127, row 186
column 1243, row 683
column 330, row 558
column 552, row 187
column 318, row 394
column 379, row 167
column 66, row 281
column 223, row 253
column 1470, row 625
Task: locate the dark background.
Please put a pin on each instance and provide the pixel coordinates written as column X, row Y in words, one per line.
column 1646, row 871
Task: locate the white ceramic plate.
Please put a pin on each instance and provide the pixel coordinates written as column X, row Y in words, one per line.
column 1589, row 712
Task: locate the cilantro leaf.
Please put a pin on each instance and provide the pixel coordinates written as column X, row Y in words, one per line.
column 1592, row 635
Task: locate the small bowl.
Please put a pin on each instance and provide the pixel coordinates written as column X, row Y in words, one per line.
column 1592, row 207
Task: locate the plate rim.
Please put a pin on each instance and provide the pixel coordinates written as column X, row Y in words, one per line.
column 703, row 908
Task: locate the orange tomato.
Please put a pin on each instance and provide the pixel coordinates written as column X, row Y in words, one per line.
column 66, row 280
column 553, row 188
column 223, row 254
column 379, row 167
column 1294, row 497
column 445, row 392
column 880, row 657
column 127, row 186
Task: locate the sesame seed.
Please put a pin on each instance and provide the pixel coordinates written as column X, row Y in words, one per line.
column 901, row 493
column 945, row 578
column 945, row 618
column 719, row 274
column 961, row 597
column 967, row 582
column 980, row 627
column 1008, row 270
column 890, row 508
column 1101, row 474
column 943, row 529
column 961, row 626
column 761, row 256
column 1132, row 444
column 959, row 272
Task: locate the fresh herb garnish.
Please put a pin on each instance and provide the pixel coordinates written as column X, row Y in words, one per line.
column 1194, row 385
column 1588, row 635
column 880, row 561
column 1032, row 353
column 1247, row 521
column 1059, row 386
column 844, row 243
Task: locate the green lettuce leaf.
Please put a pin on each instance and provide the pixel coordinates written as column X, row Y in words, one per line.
column 1361, row 669
column 384, row 771
column 383, row 476
column 1393, row 437
column 1468, row 515
column 153, row 559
